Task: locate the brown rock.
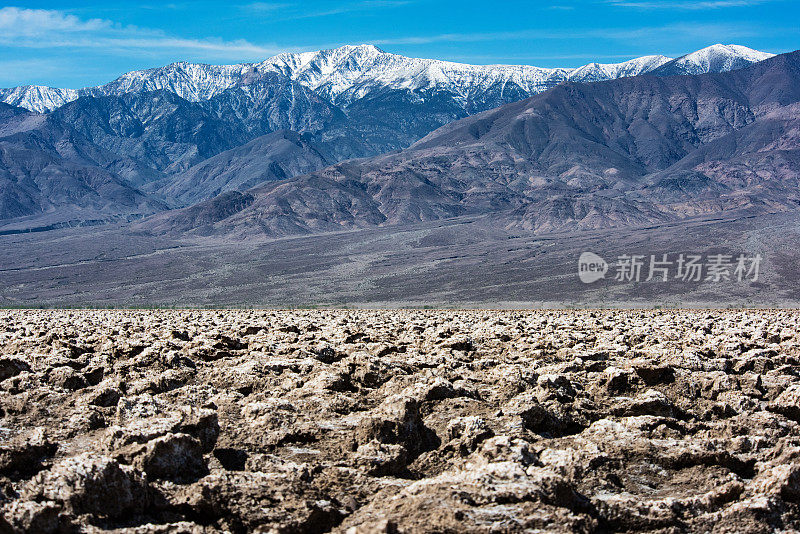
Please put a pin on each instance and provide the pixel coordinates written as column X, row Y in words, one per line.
column 10, row 366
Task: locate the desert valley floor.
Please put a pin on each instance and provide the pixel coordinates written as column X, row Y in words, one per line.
column 400, row 421
column 461, row 262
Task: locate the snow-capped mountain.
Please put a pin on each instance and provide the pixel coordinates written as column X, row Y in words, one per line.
column 625, row 153
column 38, row 97
column 191, row 81
column 595, row 72
column 349, row 73
column 715, row 58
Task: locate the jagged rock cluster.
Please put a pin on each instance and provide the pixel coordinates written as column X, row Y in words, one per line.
column 399, row 421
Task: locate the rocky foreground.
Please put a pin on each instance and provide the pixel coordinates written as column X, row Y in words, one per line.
column 399, row 421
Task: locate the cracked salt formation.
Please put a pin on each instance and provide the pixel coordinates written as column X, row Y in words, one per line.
column 399, row 421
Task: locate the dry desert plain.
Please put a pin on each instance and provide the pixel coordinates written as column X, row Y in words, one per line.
column 399, row 421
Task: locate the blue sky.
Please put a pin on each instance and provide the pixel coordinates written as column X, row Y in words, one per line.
column 86, row 43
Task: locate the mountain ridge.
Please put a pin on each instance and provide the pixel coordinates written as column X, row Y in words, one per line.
column 160, row 147
column 578, row 156
column 350, row 72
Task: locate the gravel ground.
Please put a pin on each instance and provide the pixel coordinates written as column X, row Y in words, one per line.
column 399, row 421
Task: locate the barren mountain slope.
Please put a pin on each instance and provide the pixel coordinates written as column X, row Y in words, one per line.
column 271, row 157
column 51, row 173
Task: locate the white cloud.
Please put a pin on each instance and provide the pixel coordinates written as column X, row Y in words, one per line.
column 18, row 23
column 298, row 11
column 40, row 28
column 685, row 5
column 266, row 7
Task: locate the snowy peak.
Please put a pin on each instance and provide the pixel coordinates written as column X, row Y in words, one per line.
column 193, row 81
column 348, row 73
column 719, row 52
column 37, row 97
column 323, row 62
column 335, row 70
column 594, row 72
column 715, row 58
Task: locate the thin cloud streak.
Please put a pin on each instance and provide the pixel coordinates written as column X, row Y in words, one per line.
column 296, row 11
column 11, row 71
column 687, row 6
column 265, row 7
column 38, row 28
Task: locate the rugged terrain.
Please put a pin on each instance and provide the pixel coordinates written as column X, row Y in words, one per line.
column 493, row 209
column 625, row 152
column 400, row 421
column 170, row 137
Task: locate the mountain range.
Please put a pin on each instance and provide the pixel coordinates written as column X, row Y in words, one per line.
column 349, row 73
column 184, row 133
column 625, row 152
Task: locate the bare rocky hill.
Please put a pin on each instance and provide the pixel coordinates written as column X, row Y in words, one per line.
column 399, row 421
column 51, row 173
column 275, row 156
